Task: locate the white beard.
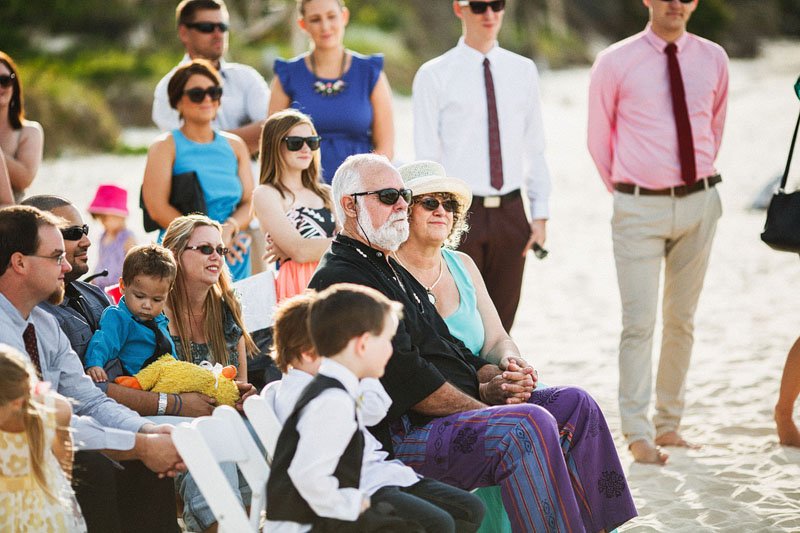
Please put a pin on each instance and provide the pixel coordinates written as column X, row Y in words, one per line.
column 390, row 235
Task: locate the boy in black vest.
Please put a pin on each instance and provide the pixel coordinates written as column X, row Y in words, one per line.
column 317, row 474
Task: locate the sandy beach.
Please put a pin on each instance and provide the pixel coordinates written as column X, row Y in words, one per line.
column 569, row 321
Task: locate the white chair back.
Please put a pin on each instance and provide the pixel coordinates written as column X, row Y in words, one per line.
column 223, row 437
column 261, row 413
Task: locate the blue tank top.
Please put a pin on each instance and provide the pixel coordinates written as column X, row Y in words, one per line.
column 465, row 323
column 218, row 173
column 343, row 120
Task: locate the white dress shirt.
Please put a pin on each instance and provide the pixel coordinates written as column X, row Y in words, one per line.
column 326, row 428
column 451, row 121
column 245, row 97
column 101, row 423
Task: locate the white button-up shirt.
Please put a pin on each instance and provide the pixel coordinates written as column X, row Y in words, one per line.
column 451, row 121
column 245, row 97
column 329, row 422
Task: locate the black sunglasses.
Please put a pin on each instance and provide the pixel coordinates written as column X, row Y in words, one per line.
column 7, row 79
column 207, row 249
column 197, row 95
column 293, row 143
column 389, row 196
column 479, row 8
column 74, row 233
column 432, row 204
column 681, row 1
column 207, row 27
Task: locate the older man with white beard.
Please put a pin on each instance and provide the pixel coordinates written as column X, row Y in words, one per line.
column 439, row 422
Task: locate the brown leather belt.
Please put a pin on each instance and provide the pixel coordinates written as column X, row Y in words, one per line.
column 679, row 191
column 496, row 201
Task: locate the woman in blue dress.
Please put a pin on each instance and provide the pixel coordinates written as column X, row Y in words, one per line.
column 346, row 94
column 220, row 159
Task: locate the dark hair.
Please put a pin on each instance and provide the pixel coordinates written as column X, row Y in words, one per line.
column 46, row 202
column 345, row 311
column 185, row 11
column 182, row 74
column 149, row 260
column 290, row 336
column 19, row 231
column 16, row 108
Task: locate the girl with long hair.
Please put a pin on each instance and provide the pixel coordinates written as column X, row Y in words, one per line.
column 293, row 207
column 21, row 140
column 35, row 453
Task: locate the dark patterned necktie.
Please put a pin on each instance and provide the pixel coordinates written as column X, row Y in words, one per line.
column 681, row 112
column 162, row 344
column 29, row 336
column 495, row 155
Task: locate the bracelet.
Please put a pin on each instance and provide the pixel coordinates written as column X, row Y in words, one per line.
column 162, row 404
column 179, row 404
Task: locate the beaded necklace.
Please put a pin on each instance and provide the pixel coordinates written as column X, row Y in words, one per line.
column 328, row 88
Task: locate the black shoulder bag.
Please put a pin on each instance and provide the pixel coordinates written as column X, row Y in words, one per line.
column 782, row 228
column 185, row 195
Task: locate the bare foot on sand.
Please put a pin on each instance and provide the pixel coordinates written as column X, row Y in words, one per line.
column 788, row 433
column 645, row 452
column 673, row 438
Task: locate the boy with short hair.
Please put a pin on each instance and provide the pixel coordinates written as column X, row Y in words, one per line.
column 329, row 471
column 136, row 330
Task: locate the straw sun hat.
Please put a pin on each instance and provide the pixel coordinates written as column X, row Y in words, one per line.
column 428, row 177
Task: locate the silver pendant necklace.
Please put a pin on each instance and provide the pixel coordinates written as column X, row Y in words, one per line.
column 429, row 290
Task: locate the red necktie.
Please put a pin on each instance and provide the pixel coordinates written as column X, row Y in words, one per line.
column 29, row 336
column 679, row 109
column 495, row 155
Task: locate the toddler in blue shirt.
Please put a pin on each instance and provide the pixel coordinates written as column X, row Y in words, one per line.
column 136, row 330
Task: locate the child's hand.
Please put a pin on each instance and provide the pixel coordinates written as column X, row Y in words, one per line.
column 97, row 374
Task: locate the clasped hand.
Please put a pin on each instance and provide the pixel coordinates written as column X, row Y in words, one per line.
column 513, row 385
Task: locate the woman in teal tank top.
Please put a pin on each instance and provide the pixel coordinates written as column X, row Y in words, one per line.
column 455, row 286
column 220, row 159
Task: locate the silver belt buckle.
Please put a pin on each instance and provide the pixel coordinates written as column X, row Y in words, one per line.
column 491, row 201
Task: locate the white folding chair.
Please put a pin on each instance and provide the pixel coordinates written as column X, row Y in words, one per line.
column 223, row 437
column 261, row 414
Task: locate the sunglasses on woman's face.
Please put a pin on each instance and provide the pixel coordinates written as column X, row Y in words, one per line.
column 207, row 249
column 479, row 8
column 681, row 1
column 294, row 143
column 197, row 95
column 74, row 233
column 6, row 80
column 432, row 204
column 389, row 196
column 207, row 27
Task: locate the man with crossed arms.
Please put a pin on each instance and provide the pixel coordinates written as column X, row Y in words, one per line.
column 657, row 104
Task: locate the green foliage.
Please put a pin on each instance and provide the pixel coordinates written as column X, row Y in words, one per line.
column 74, row 117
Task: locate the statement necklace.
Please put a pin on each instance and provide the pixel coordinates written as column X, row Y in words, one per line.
column 328, row 88
column 429, row 290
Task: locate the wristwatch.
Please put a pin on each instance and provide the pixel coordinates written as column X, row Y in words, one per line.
column 162, row 403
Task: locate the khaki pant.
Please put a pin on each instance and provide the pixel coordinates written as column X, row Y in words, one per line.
column 648, row 230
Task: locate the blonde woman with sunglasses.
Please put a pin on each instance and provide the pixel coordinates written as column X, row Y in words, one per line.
column 291, row 203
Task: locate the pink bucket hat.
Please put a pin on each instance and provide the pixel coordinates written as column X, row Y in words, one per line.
column 110, row 200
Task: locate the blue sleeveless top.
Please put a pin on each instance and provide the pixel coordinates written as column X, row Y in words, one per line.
column 218, row 173
column 343, row 120
column 465, row 323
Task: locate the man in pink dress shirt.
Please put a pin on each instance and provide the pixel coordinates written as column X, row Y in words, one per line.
column 666, row 205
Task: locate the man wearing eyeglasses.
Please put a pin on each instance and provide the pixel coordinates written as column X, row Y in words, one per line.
column 657, row 103
column 33, row 265
column 440, row 422
column 477, row 112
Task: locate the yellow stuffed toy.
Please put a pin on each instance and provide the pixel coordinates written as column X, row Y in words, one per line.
column 167, row 374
